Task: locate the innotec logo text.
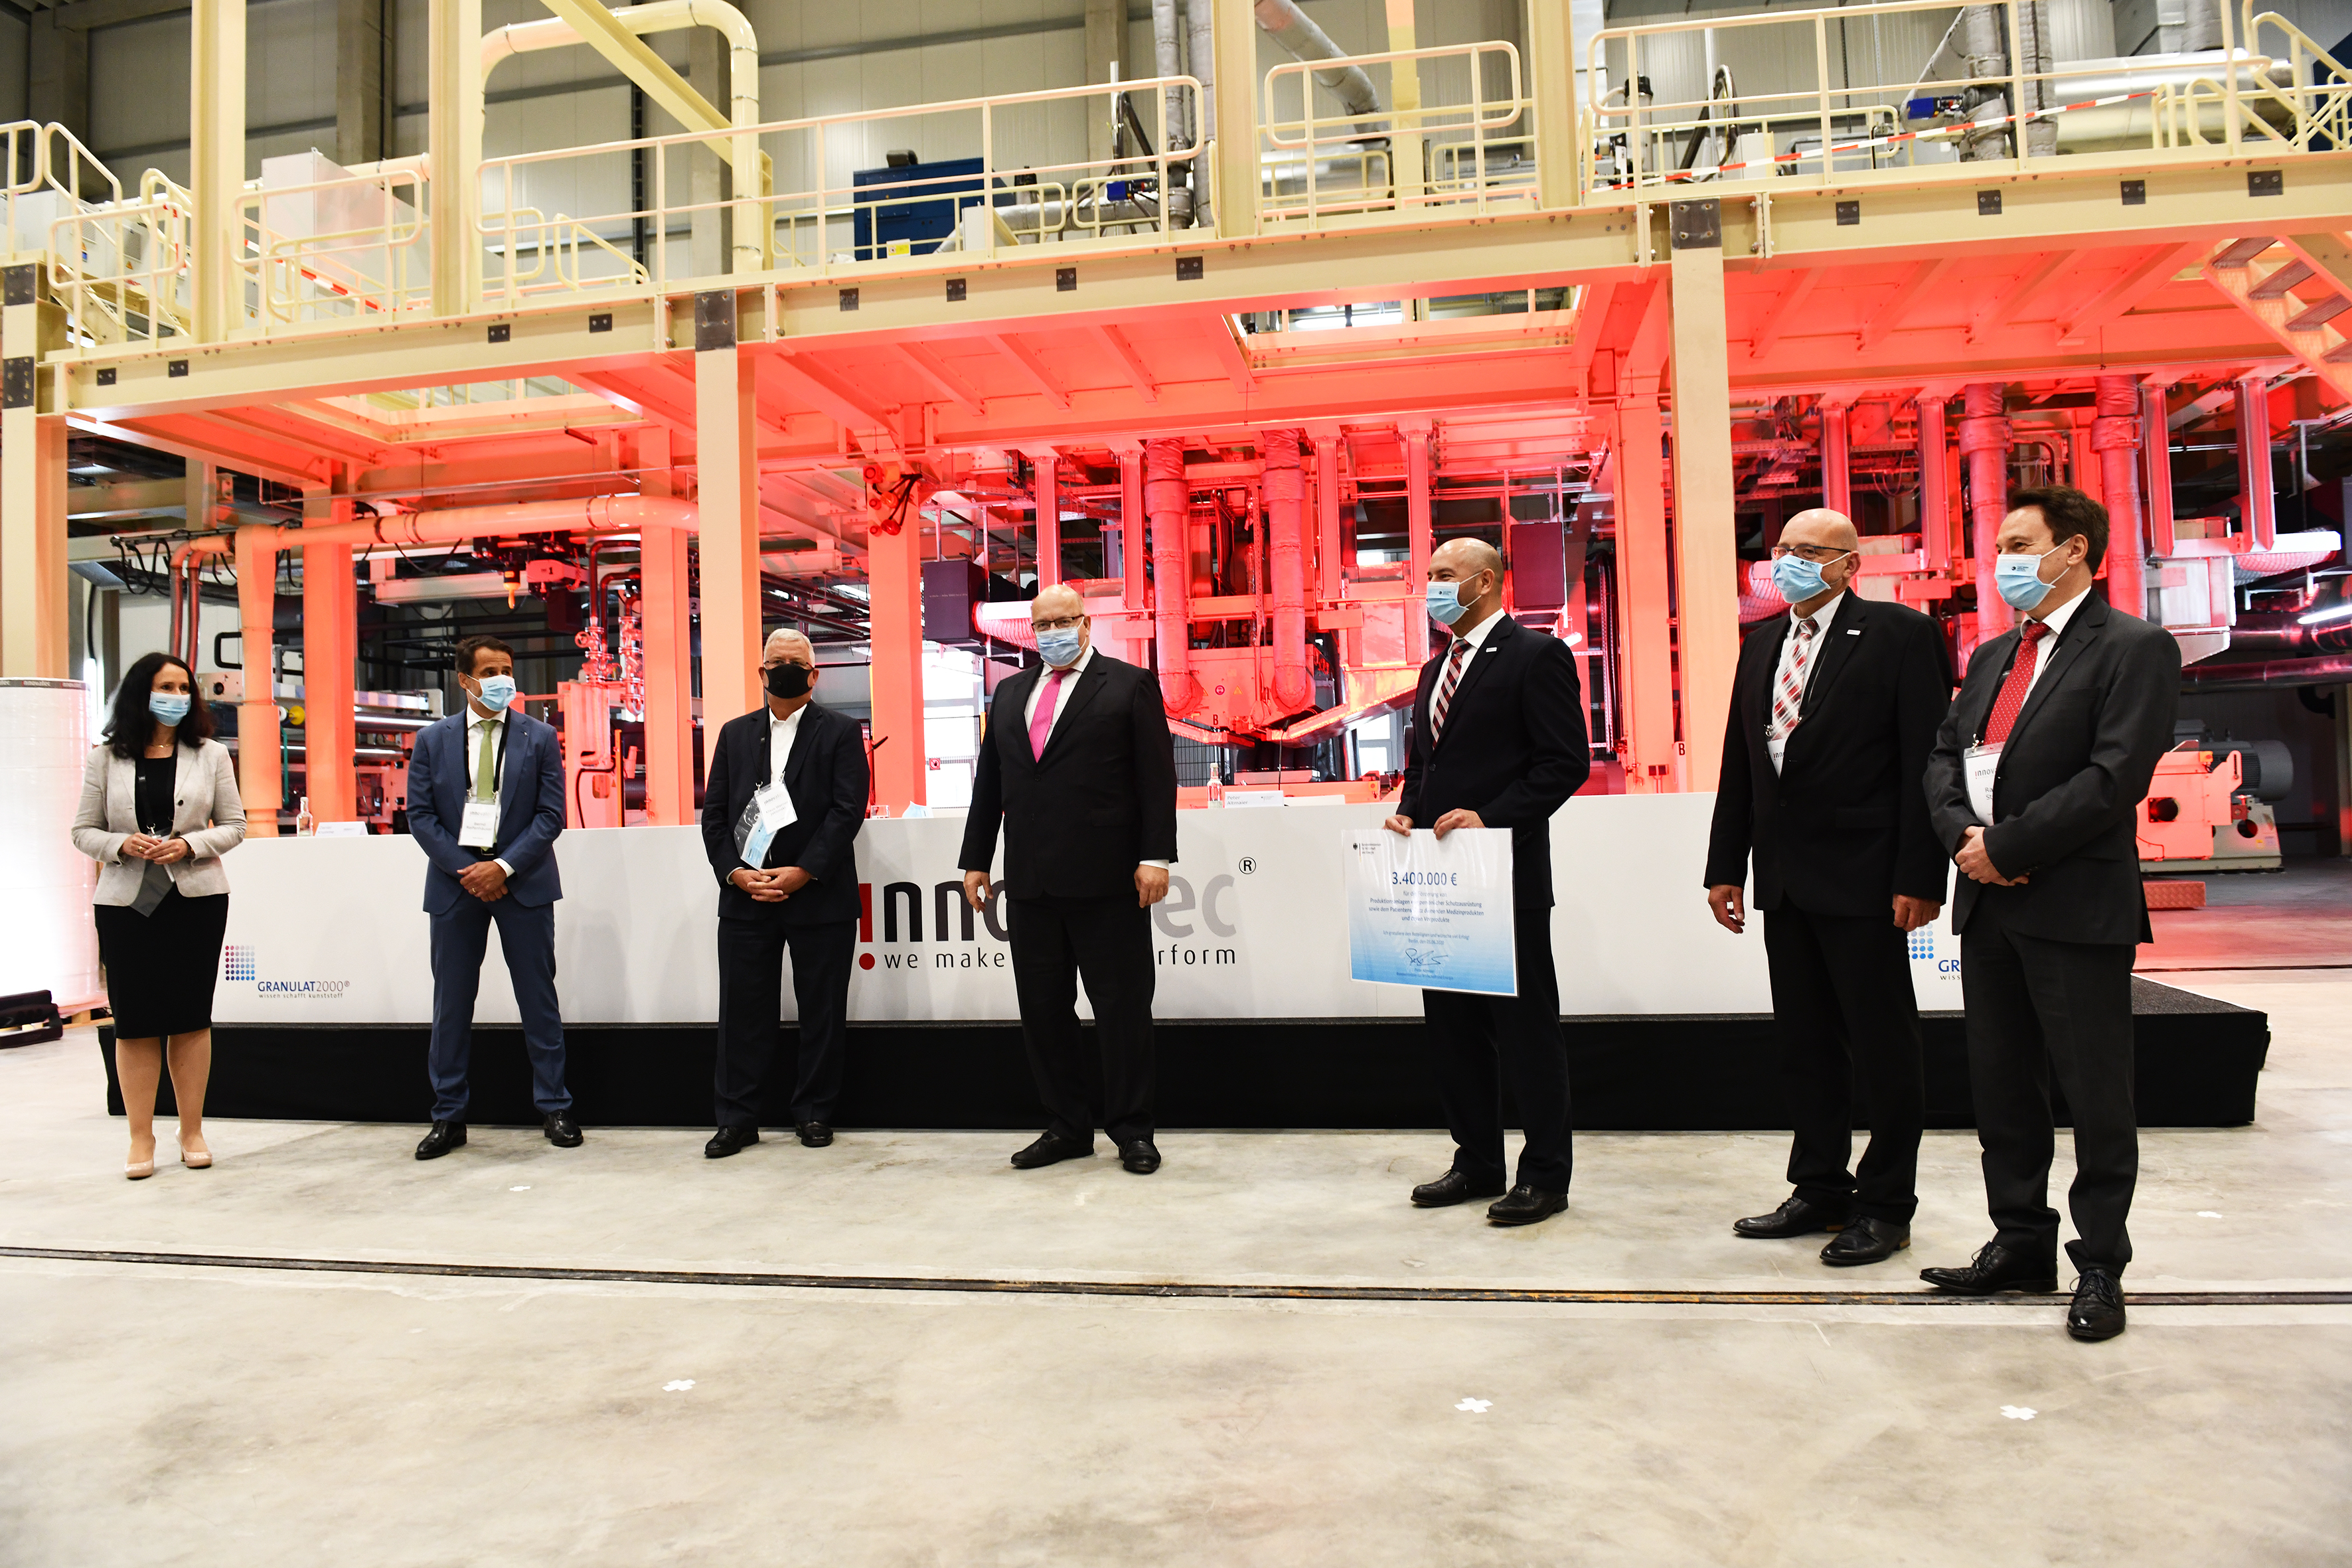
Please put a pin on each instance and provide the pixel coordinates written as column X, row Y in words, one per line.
column 981, row 939
column 242, row 962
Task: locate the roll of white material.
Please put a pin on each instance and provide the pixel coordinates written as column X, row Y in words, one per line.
column 48, row 942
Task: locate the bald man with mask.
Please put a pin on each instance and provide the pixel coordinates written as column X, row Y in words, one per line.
column 1833, row 713
column 1498, row 739
column 1078, row 769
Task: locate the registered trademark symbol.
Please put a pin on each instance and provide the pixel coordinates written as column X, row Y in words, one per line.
column 1248, row 864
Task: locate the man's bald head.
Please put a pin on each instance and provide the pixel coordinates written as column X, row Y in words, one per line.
column 1057, row 613
column 1465, row 558
column 1056, row 602
column 1819, row 525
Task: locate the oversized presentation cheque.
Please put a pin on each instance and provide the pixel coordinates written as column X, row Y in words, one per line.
column 1434, row 912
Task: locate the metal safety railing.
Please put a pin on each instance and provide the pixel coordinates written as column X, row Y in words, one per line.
column 1469, row 150
column 848, row 204
column 1798, row 116
column 121, row 269
column 335, row 250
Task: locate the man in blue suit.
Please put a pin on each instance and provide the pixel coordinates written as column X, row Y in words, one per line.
column 485, row 802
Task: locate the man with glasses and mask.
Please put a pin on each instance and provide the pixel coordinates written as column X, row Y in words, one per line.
column 783, row 800
column 1834, row 711
column 485, row 804
column 2035, row 786
column 1078, row 767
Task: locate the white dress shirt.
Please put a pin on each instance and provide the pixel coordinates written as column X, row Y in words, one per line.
column 1067, row 684
column 782, row 733
column 2056, row 621
column 485, row 731
column 1476, row 637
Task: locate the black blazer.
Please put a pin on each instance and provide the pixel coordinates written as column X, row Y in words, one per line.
column 1514, row 748
column 1102, row 800
column 827, row 778
column 2072, row 774
column 1842, row 827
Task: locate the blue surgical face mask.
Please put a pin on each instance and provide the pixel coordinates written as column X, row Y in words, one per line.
column 497, row 691
column 1061, row 648
column 1446, row 603
column 168, row 707
column 1798, row 578
column 2019, row 578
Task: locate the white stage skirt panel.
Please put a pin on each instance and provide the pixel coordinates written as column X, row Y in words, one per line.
column 332, row 932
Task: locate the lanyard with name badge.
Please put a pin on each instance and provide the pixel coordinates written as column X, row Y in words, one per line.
column 767, row 813
column 478, row 829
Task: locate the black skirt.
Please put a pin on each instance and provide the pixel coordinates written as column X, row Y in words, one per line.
column 160, row 968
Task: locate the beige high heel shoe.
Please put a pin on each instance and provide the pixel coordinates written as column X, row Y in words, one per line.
column 140, row 1171
column 197, row 1159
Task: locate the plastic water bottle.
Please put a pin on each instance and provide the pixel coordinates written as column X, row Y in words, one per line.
column 305, row 824
column 1216, row 789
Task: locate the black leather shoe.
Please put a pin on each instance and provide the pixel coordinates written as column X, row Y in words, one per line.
column 1451, row 1188
column 562, row 1130
column 445, row 1136
column 2099, row 1310
column 1049, row 1148
column 729, row 1140
column 814, row 1134
column 1524, row 1205
column 1996, row 1268
column 1866, row 1239
column 1798, row 1217
column 1137, row 1156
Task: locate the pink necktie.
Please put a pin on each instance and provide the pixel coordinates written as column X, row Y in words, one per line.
column 1041, row 723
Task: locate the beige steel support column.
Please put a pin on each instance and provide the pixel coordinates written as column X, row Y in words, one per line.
column 1551, row 65
column 259, row 746
column 1404, row 96
column 1837, row 458
column 1419, row 533
column 2254, row 470
column 1706, row 547
column 1236, row 91
column 1984, row 447
column 1644, row 601
column 217, row 165
column 894, row 586
column 1133, row 547
column 330, row 649
column 454, row 137
column 668, row 649
column 1106, row 43
column 33, row 607
column 1330, row 538
column 2156, row 469
column 2114, row 439
column 727, row 500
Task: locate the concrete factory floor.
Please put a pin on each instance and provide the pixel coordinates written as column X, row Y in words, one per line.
column 2299, row 917
column 168, row 1413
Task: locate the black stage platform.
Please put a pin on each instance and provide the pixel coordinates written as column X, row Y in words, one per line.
column 2198, row 1060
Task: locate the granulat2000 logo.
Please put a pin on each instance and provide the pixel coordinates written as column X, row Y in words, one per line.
column 241, row 961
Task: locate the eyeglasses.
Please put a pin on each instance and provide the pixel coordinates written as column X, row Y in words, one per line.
column 1819, row 554
column 1060, row 623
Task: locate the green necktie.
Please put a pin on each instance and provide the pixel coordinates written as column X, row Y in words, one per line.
column 486, row 783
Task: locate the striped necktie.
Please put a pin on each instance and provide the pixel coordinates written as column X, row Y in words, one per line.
column 1789, row 701
column 2011, row 700
column 1446, row 685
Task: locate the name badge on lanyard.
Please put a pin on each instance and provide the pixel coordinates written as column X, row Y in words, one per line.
column 1980, row 765
column 768, row 812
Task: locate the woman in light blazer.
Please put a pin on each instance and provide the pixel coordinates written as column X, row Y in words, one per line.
column 159, row 809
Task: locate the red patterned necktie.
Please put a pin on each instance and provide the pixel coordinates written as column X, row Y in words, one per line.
column 2012, row 690
column 1789, row 701
column 1444, row 698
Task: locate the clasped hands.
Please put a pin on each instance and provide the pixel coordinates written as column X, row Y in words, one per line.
column 1977, row 865
column 770, row 886
column 163, row 851
column 1151, row 887
column 486, row 879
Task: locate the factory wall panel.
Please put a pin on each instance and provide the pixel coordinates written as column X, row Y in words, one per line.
column 16, row 46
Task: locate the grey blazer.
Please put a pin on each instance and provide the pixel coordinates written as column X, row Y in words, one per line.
column 209, row 816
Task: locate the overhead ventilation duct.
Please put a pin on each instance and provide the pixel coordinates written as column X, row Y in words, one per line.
column 1984, row 447
column 1167, row 500
column 1290, row 28
column 2115, row 437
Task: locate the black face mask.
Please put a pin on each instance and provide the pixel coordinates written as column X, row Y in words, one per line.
column 788, row 681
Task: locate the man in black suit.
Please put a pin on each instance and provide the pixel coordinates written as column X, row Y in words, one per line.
column 1498, row 741
column 785, row 798
column 1078, row 767
column 2035, row 787
column 1833, row 712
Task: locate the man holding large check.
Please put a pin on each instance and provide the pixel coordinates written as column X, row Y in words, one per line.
column 1497, row 743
